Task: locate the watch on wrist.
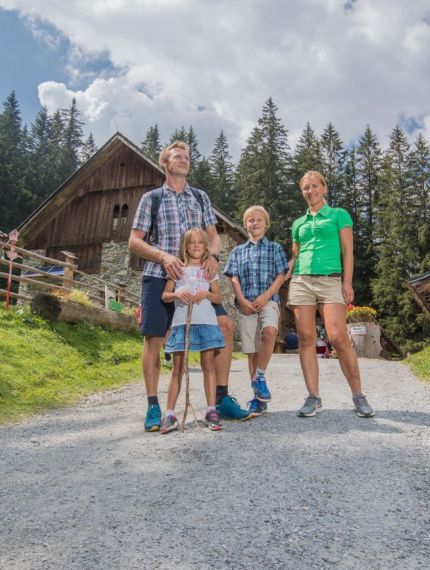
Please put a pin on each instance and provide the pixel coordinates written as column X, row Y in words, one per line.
column 216, row 257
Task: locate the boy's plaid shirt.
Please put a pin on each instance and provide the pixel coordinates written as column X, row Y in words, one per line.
column 178, row 212
column 257, row 265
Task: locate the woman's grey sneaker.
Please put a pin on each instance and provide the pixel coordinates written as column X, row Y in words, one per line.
column 362, row 406
column 312, row 405
column 169, row 423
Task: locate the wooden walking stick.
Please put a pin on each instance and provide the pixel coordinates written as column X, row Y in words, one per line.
column 188, row 403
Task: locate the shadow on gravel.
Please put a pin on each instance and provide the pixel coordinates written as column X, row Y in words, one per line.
column 338, row 421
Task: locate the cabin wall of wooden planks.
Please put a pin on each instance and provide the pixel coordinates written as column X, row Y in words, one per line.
column 102, row 211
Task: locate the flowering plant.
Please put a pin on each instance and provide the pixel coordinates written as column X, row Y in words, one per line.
column 356, row 314
column 75, row 295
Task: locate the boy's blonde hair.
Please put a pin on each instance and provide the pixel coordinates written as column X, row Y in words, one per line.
column 164, row 154
column 251, row 209
column 185, row 242
column 313, row 173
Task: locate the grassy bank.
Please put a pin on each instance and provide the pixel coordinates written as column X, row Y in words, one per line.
column 420, row 363
column 43, row 365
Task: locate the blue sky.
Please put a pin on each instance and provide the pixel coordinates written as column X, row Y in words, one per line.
column 213, row 64
column 25, row 62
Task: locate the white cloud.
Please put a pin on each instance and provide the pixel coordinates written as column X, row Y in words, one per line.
column 321, row 62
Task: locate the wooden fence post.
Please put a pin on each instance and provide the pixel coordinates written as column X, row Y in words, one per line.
column 120, row 291
column 69, row 269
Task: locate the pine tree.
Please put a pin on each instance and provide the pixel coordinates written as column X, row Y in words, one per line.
column 369, row 164
column 307, row 155
column 72, row 140
column 333, row 159
column 179, row 135
column 195, row 157
column 262, row 173
column 56, row 149
column 351, row 201
column 398, row 258
column 41, row 152
column 151, row 144
column 222, row 170
column 351, row 195
column 88, row 149
column 202, row 177
column 369, row 158
column 14, row 196
column 419, row 164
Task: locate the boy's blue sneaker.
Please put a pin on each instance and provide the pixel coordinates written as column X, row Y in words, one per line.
column 256, row 408
column 229, row 409
column 153, row 418
column 261, row 391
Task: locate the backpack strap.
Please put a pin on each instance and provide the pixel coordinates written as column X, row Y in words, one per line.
column 156, row 197
column 198, row 196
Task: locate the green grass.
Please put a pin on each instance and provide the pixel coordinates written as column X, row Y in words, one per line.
column 43, row 365
column 46, row 365
column 420, row 363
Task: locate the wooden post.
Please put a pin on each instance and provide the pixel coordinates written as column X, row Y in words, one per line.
column 71, row 259
column 188, row 403
column 12, row 254
column 120, row 292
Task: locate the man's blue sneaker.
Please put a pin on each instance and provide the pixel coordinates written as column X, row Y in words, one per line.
column 229, row 409
column 256, row 408
column 153, row 418
column 261, row 391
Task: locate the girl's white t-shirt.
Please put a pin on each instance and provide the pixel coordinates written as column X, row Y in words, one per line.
column 203, row 312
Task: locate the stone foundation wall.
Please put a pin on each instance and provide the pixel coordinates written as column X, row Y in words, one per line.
column 115, row 268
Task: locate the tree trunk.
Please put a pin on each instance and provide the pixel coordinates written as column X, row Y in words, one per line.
column 54, row 309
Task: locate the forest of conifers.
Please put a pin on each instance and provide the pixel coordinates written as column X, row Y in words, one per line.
column 386, row 191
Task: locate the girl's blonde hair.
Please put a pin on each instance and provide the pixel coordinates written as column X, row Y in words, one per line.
column 248, row 212
column 313, row 173
column 185, row 242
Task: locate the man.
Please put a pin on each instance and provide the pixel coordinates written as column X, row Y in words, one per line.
column 179, row 211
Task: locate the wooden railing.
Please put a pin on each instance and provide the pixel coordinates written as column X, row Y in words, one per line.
column 93, row 286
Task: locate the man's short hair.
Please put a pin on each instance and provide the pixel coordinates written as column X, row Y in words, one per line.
column 164, row 154
column 248, row 212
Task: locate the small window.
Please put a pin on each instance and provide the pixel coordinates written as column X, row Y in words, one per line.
column 124, row 215
column 115, row 218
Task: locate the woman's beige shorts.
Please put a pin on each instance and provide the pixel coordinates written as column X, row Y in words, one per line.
column 313, row 290
column 251, row 326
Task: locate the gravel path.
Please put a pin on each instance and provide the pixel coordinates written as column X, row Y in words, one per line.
column 85, row 488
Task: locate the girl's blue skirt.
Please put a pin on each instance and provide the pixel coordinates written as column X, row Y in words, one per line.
column 202, row 337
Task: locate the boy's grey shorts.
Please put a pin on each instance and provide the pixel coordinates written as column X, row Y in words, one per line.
column 251, row 326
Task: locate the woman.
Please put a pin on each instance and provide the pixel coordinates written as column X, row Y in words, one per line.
column 320, row 239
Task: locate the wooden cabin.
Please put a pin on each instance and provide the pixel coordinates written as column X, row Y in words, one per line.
column 96, row 205
column 419, row 286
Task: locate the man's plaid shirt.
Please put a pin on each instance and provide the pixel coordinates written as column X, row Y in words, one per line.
column 257, row 265
column 178, row 212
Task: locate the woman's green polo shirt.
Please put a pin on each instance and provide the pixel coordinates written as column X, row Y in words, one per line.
column 319, row 241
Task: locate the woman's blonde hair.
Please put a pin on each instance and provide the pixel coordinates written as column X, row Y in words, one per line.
column 185, row 242
column 313, row 173
column 248, row 212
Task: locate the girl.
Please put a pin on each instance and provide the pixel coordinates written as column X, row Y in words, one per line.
column 205, row 334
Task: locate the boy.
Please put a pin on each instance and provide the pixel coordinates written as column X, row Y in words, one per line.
column 257, row 270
